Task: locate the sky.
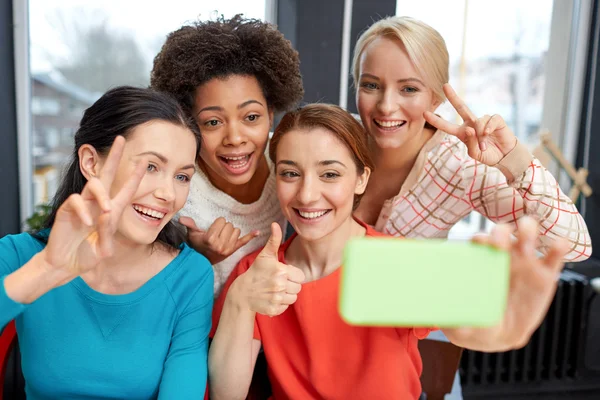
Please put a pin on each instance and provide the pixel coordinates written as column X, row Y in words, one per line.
column 491, row 25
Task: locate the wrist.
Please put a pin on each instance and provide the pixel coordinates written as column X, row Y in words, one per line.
column 237, row 295
column 48, row 274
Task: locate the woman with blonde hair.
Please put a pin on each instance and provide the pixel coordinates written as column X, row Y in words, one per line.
column 431, row 173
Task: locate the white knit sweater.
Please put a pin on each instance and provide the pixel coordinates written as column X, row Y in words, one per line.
column 206, row 203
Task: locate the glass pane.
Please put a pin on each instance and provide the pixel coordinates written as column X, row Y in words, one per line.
column 81, row 48
column 497, row 62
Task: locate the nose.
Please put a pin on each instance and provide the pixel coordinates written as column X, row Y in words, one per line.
column 309, row 191
column 387, row 103
column 234, row 136
column 166, row 190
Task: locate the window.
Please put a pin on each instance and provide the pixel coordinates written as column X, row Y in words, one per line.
column 81, row 48
column 497, row 63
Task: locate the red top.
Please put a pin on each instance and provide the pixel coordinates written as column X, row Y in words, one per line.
column 313, row 354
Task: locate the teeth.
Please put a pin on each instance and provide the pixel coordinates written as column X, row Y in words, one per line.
column 149, row 212
column 311, row 215
column 389, row 124
column 235, row 158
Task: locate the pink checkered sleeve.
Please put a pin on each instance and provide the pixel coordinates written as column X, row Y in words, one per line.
column 533, row 192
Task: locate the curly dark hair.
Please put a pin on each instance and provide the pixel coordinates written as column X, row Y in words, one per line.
column 194, row 54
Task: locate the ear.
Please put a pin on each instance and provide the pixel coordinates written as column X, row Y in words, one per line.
column 363, row 180
column 89, row 161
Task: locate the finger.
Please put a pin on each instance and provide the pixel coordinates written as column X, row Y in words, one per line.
column 481, row 132
column 289, row 299
column 482, row 239
column 554, row 259
column 493, row 124
column 105, row 235
column 111, row 165
column 231, row 240
column 126, row 193
column 76, row 203
column 500, row 237
column 444, row 125
column 95, row 190
column 244, row 240
column 226, row 232
column 272, row 247
column 189, row 223
column 527, row 234
column 459, row 105
column 216, row 227
column 295, row 274
column 292, row 287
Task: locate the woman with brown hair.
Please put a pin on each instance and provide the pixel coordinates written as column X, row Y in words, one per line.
column 284, row 297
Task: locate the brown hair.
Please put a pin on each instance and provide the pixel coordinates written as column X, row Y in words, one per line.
column 201, row 51
column 334, row 119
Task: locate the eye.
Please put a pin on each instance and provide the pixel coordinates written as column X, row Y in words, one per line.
column 151, row 168
column 183, row 178
column 253, row 117
column 330, row 175
column 289, row 174
column 410, row 89
column 212, row 123
column 369, row 85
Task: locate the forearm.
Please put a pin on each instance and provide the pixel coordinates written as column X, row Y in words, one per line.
column 481, row 339
column 231, row 358
column 33, row 280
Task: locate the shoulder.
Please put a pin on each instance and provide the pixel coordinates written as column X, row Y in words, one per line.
column 21, row 246
column 190, row 272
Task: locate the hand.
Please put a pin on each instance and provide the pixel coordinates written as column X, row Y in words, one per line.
column 83, row 231
column 488, row 139
column 533, row 283
column 219, row 242
column 269, row 287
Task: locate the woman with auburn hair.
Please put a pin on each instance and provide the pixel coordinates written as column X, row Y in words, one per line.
column 431, row 173
column 284, row 297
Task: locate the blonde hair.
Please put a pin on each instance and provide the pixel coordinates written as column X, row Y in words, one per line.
column 426, row 49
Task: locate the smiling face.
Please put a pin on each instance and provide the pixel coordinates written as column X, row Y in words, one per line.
column 317, row 180
column 392, row 96
column 170, row 151
column 234, row 119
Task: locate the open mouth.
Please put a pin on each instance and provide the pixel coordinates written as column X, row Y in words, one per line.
column 311, row 215
column 388, row 125
column 237, row 164
column 149, row 213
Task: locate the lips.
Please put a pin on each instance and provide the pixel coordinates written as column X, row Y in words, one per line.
column 149, row 212
column 236, row 161
column 389, row 124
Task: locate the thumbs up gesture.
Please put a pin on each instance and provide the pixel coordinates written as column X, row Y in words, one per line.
column 269, row 286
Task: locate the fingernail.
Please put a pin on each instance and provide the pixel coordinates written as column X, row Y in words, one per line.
column 483, row 146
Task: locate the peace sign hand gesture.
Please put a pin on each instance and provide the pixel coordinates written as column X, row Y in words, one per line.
column 83, row 231
column 488, row 139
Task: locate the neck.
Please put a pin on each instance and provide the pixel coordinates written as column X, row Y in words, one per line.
column 123, row 272
column 401, row 158
column 246, row 193
column 321, row 257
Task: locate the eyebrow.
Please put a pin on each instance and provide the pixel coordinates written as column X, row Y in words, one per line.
column 163, row 158
column 239, row 107
column 323, row 163
column 405, row 80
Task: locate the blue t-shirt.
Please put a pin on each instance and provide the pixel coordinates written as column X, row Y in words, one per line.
column 77, row 343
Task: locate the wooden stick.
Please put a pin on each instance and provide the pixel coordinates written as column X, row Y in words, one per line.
column 579, row 181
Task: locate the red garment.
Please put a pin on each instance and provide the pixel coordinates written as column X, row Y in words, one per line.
column 313, row 354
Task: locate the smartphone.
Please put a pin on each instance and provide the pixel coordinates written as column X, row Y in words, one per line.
column 423, row 283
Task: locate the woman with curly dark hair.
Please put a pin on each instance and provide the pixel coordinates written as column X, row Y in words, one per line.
column 231, row 75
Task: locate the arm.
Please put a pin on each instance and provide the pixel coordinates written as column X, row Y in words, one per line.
column 532, row 286
column 185, row 369
column 22, row 285
column 234, row 349
column 520, row 186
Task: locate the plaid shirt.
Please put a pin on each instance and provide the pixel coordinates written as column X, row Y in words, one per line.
column 445, row 185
